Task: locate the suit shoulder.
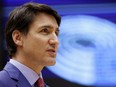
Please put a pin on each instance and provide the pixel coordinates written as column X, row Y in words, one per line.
column 3, row 74
column 4, row 77
column 6, row 80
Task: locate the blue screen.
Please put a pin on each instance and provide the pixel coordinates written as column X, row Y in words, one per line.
column 86, row 52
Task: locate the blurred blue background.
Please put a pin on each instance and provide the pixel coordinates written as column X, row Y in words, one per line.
column 86, row 55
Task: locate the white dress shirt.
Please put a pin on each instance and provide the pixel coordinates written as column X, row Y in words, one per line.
column 29, row 74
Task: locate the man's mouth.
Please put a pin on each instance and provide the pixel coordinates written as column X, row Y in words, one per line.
column 52, row 52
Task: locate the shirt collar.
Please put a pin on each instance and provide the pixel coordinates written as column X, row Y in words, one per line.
column 29, row 74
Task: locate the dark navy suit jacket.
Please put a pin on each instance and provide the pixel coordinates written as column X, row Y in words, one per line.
column 10, row 76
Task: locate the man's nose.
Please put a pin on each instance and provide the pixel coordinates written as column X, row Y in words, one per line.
column 54, row 40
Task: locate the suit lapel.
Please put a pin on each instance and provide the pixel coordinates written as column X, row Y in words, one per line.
column 18, row 79
column 22, row 82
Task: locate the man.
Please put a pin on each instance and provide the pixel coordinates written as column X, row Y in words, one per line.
column 31, row 37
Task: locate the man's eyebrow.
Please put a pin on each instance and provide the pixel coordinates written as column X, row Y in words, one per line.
column 48, row 26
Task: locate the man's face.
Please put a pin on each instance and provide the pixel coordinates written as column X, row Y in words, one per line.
column 41, row 43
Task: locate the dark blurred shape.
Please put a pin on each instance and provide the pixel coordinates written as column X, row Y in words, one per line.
column 3, row 52
column 57, row 2
column 57, row 81
column 85, row 43
column 1, row 36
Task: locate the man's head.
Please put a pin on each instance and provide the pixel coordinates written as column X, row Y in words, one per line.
column 21, row 18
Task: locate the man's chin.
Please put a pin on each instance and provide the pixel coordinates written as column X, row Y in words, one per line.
column 52, row 63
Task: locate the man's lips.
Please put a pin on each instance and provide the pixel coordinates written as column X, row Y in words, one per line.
column 52, row 52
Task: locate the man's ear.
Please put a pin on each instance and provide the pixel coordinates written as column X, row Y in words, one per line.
column 17, row 37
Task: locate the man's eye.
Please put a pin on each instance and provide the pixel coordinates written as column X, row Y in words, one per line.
column 57, row 32
column 45, row 31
